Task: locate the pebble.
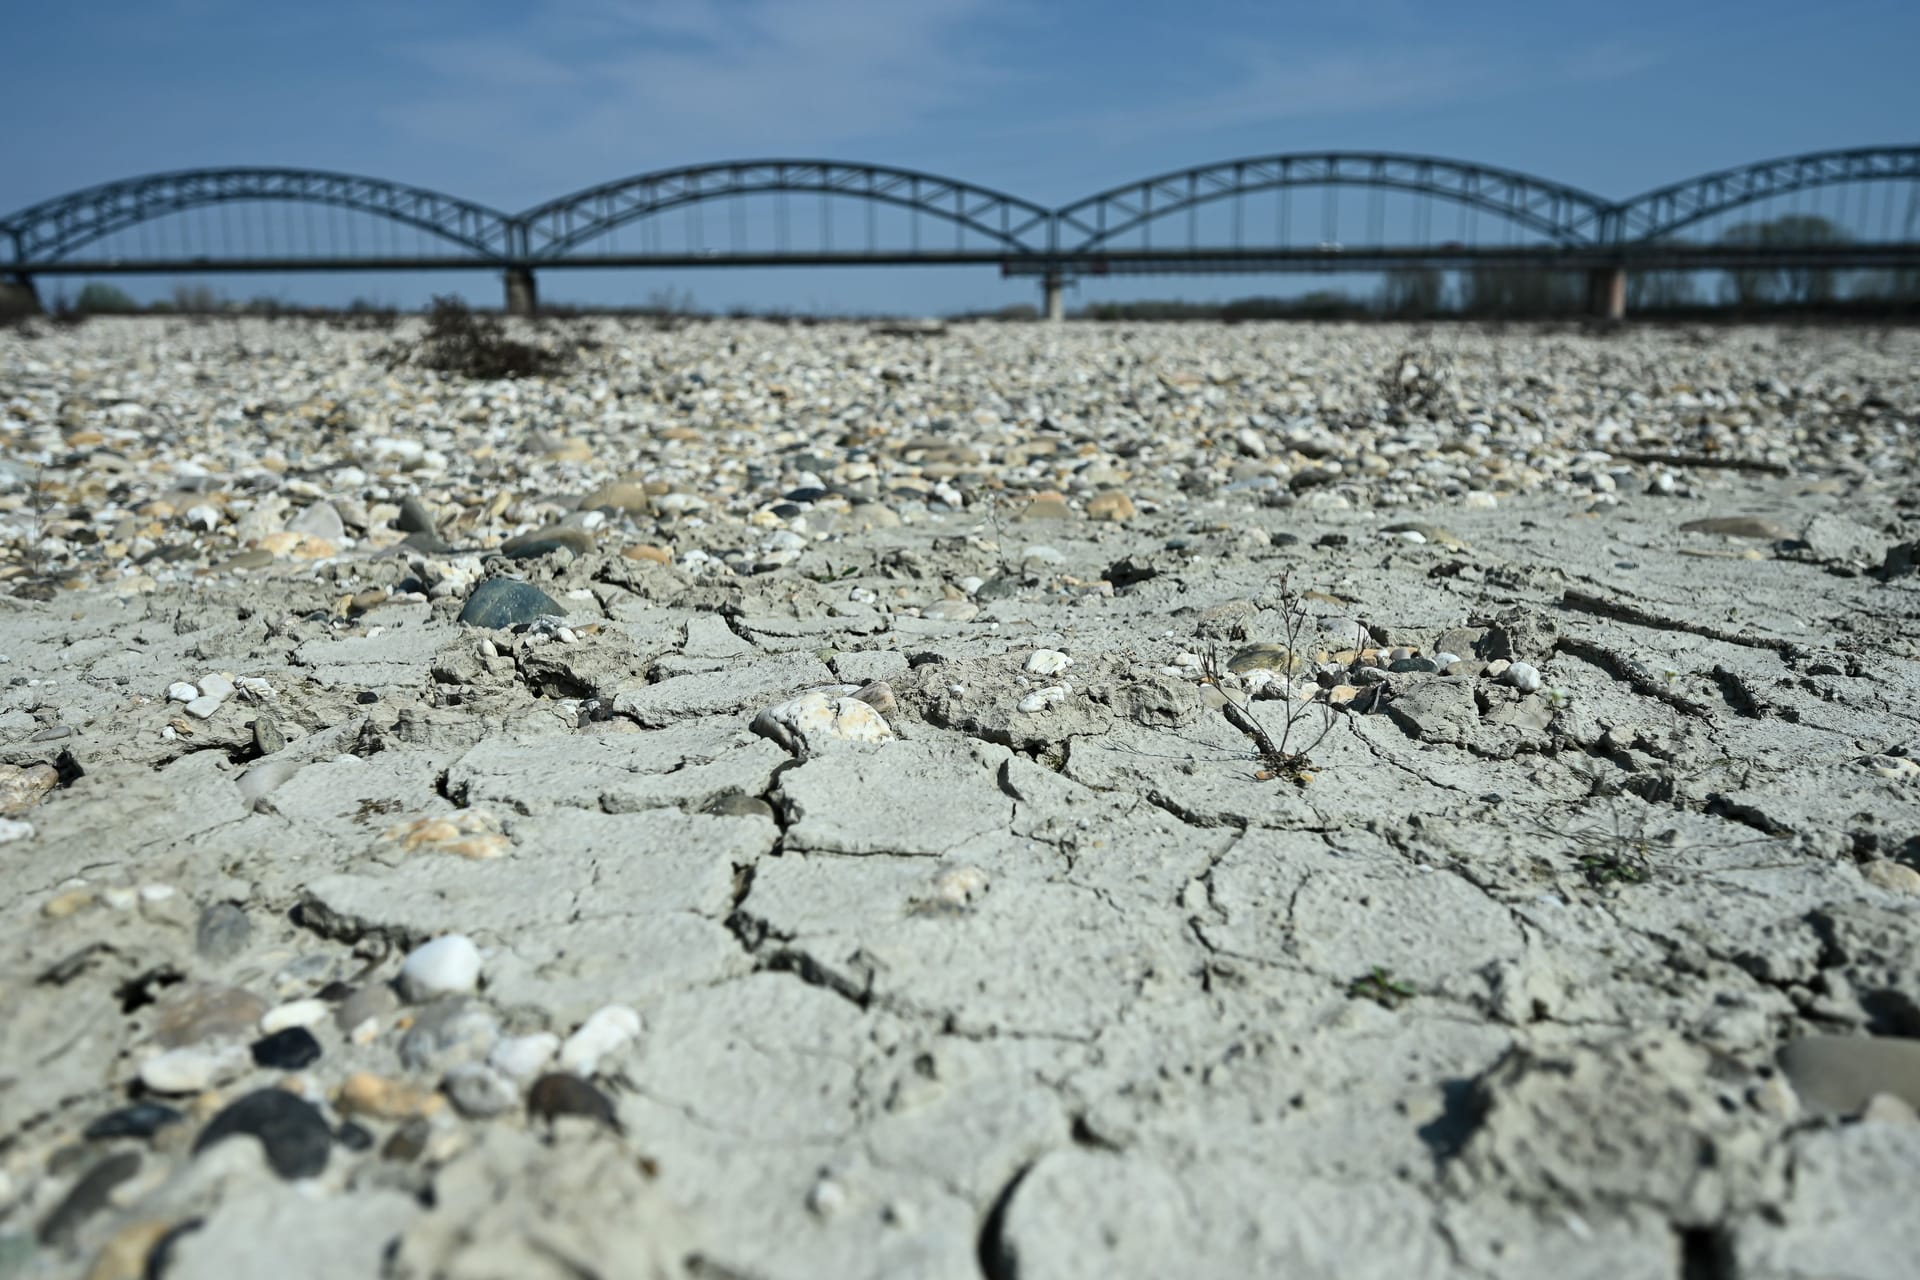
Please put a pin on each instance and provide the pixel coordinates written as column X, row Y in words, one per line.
column 1111, row 505
column 540, row 542
column 448, row 965
column 466, row 833
column 201, row 1013
column 291, row 1049
column 12, row 829
column 1047, row 662
column 24, row 786
column 360, row 1015
column 181, row 691
column 1739, row 527
column 1040, row 699
column 222, row 932
column 194, row 1069
column 87, row 1197
column 1522, row 676
column 310, row 1012
column 1838, row 1075
column 807, row 723
column 1898, row 768
column 365, row 1094
column 216, row 686
column 1265, row 657
column 479, row 1090
column 608, row 1030
column 558, row 1094
column 290, row 1129
column 134, row 1251
column 136, row 1120
column 447, row 1033
column 1894, row 877
column 502, row 602
column 524, row 1057
column 203, row 706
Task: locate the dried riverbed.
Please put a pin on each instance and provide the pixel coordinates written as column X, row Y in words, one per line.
column 1009, row 801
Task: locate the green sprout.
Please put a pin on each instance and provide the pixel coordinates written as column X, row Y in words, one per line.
column 1381, row 987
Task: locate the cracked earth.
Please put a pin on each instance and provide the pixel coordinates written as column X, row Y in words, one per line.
column 1496, row 982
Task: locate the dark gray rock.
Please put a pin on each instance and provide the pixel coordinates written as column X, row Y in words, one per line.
column 559, row 1094
column 502, row 602
column 139, row 1120
column 414, row 517
column 290, row 1129
column 287, row 1050
column 87, row 1197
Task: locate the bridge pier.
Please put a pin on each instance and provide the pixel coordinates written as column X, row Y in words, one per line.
column 1053, row 289
column 523, row 297
column 1607, row 293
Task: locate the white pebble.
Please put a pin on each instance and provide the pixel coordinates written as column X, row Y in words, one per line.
column 805, row 723
column 294, row 1013
column 181, row 691
column 827, row 1198
column 480, row 1090
column 446, row 966
column 203, row 706
column 216, row 686
column 1522, row 676
column 524, row 1057
column 203, row 517
column 971, row 584
column 194, row 1068
column 608, row 1029
column 1047, row 662
column 1041, row 699
column 1443, row 659
column 12, row 829
column 156, row 892
column 119, row 898
column 566, row 635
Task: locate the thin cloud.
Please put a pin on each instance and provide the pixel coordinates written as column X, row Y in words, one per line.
column 1272, row 86
column 613, row 88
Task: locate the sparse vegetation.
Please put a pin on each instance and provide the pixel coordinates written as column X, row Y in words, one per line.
column 99, row 299
column 473, row 344
column 1380, row 986
column 1285, row 756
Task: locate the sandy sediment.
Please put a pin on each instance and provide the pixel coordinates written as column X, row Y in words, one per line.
column 1134, row 801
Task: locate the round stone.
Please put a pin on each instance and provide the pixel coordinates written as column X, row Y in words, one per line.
column 480, row 1090
column 291, row 1130
column 446, row 966
column 287, row 1050
column 503, row 602
column 609, row 1029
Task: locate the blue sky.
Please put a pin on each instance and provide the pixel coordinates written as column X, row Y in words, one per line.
column 513, row 103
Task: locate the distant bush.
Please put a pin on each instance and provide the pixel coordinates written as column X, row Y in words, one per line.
column 471, row 344
column 105, row 300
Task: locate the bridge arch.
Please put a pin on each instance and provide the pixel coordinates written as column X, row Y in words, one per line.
column 558, row 227
column 53, row 228
column 1659, row 213
column 1565, row 214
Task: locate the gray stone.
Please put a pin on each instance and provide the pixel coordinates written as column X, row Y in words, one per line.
column 222, row 932
column 1838, row 1075
column 503, row 602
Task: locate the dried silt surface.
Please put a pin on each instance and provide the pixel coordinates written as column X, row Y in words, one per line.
column 1009, row 801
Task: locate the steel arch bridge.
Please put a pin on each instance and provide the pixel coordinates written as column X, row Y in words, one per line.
column 49, row 231
column 561, row 227
column 1543, row 223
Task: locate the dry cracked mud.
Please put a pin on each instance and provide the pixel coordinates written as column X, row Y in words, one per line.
column 1604, row 964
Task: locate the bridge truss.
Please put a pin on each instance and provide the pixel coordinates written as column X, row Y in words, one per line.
column 1375, row 211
